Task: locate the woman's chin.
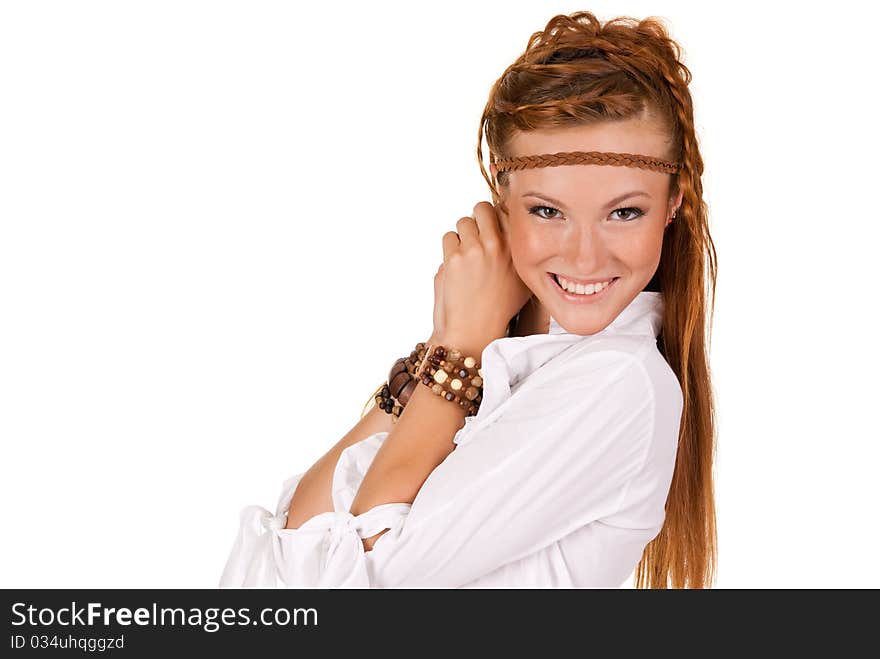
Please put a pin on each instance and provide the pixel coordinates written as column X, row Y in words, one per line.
column 582, row 328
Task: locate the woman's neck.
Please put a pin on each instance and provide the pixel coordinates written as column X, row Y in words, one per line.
column 533, row 319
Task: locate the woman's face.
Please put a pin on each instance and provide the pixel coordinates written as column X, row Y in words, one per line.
column 587, row 222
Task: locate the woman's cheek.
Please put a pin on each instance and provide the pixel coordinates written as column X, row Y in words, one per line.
column 523, row 255
column 643, row 250
column 528, row 245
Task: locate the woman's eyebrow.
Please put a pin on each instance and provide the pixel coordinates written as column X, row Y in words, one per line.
column 613, row 202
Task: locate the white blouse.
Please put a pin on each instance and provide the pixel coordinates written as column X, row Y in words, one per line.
column 559, row 480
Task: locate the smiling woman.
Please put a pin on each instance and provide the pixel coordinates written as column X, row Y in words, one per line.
column 565, row 435
column 565, row 220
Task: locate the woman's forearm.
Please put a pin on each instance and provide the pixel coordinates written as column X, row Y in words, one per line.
column 313, row 493
column 421, row 440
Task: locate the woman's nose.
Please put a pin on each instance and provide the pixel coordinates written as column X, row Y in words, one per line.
column 584, row 250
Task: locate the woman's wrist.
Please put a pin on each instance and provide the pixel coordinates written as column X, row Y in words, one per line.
column 466, row 345
column 452, row 370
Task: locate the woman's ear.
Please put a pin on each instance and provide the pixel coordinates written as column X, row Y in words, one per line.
column 494, row 171
column 676, row 204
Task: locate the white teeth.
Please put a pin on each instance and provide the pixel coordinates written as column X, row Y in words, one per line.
column 581, row 289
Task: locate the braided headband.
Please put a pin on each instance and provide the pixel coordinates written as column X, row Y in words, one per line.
column 587, row 158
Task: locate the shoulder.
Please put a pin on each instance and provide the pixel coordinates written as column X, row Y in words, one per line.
column 635, row 355
column 604, row 379
column 627, row 373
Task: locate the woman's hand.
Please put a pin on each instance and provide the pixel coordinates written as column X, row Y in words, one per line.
column 476, row 289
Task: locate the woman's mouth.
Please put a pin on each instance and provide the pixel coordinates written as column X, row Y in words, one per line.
column 582, row 294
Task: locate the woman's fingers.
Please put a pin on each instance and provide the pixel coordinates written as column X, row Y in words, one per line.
column 503, row 219
column 450, row 244
column 486, row 219
column 482, row 227
column 468, row 232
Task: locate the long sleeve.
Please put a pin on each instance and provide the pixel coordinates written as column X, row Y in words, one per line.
column 561, row 454
column 326, row 550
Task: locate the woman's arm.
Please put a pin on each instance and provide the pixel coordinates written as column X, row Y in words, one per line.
column 423, row 437
column 313, row 494
column 421, row 440
column 574, row 449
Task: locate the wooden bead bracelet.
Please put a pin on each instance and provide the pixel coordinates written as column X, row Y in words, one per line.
column 446, row 372
column 395, row 393
column 455, row 377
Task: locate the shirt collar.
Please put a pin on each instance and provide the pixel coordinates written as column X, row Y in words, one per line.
column 507, row 361
column 644, row 315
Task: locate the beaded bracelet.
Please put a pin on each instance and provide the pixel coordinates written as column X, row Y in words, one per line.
column 453, row 376
column 394, row 394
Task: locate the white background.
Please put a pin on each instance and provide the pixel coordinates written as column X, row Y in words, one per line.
column 221, row 221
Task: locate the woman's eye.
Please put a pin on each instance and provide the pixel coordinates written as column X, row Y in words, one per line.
column 534, row 211
column 629, row 213
column 639, row 212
